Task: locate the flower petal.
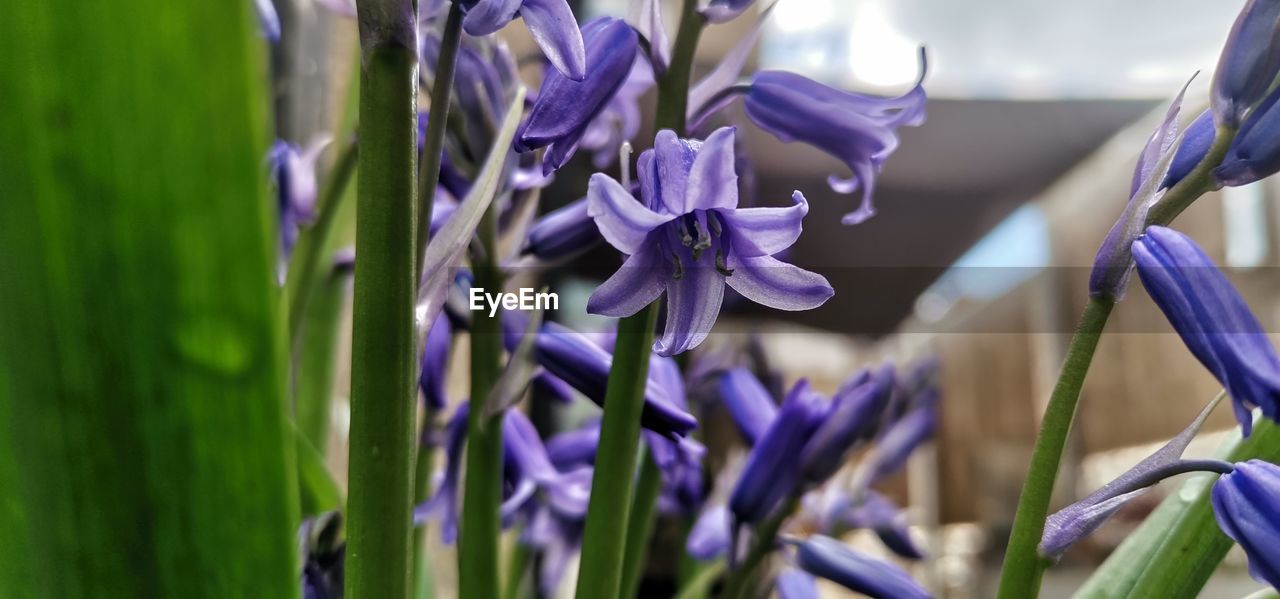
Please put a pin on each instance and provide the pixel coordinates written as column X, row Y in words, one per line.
column 488, row 16
column 713, row 182
column 556, row 32
column 693, row 303
column 748, row 403
column 639, row 281
column 765, row 231
column 624, row 222
column 771, row 282
column 673, row 157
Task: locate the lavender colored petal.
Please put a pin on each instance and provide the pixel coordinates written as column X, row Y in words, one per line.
column 748, row 402
column 770, row 473
column 1249, row 62
column 770, row 282
column 574, row 448
column 713, row 182
column 672, row 159
column 828, row 558
column 852, row 419
column 640, row 280
column 556, row 32
column 563, row 233
column 795, row 584
column 1254, row 154
column 721, row 11
column 624, row 222
column 726, row 72
column 268, row 19
column 435, row 363
column 488, row 16
column 646, row 17
column 1244, row 503
column 876, row 512
column 693, row 303
column 902, row 438
column 1195, row 143
column 709, row 537
column 765, row 231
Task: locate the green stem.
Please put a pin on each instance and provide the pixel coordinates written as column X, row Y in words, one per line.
column 312, row 241
column 1023, row 566
column 423, row 581
column 482, row 492
column 609, row 511
column 700, row 585
column 766, row 538
column 433, row 144
column 383, row 364
column 640, row 525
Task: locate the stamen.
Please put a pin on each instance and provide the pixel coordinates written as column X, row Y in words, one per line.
column 679, row 267
column 704, row 238
column 624, row 159
column 713, row 223
column 721, row 266
column 686, row 237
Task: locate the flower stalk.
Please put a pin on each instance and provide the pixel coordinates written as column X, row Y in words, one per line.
column 437, row 119
column 383, row 364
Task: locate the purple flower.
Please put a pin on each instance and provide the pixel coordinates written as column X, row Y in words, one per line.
column 828, row 558
column 771, row 473
column 435, row 363
column 1212, row 319
column 646, row 17
column 710, row 537
column 1249, row 62
column 687, row 237
column 901, row 439
column 575, row 448
column 268, row 19
column 1113, row 263
column 1244, row 503
column 484, row 81
column 1195, row 143
column 679, row 460
column 563, row 233
column 1078, row 520
column 293, row 176
column 565, row 108
column 876, row 513
column 858, row 129
column 795, row 584
column 1254, row 154
column 748, row 402
column 324, row 556
column 551, row 22
column 619, row 121
column 853, row 416
column 720, row 11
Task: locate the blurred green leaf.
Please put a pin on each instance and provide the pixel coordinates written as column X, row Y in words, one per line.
column 143, row 439
column 319, row 491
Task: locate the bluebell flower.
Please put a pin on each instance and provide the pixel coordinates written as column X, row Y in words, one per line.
column 1212, row 319
column 1249, row 62
column 1076, row 521
column 268, row 19
column 435, row 362
column 791, row 583
column 562, row 234
column 1245, row 503
column 900, row 439
column 852, row 418
column 770, row 473
column 749, row 404
column 828, row 558
column 687, row 237
column 877, row 513
column 619, row 121
column 858, row 129
column 646, row 17
column 1254, row 153
column 565, row 108
column 576, row 447
column 720, row 11
column 293, row 177
column 1195, row 143
column 551, row 22
column 679, row 460
column 710, row 536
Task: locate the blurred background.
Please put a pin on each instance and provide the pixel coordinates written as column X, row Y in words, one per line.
column 988, row 219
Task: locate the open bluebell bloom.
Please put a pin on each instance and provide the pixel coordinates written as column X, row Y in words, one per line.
column 852, row 417
column 828, row 558
column 858, row 129
column 1245, row 503
column 551, row 22
column 563, row 233
column 720, row 11
column 1212, row 319
column 1249, row 62
column 749, row 404
column 268, row 19
column 1255, row 152
column 1078, row 520
column 1113, row 263
column 565, row 108
column 687, row 237
column 293, row 177
column 791, row 583
column 435, row 363
column 771, row 473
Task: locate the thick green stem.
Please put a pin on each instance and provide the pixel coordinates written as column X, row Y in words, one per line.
column 640, row 525
column 306, row 264
column 482, row 492
column 1023, row 565
column 383, row 365
column 604, row 540
column 766, row 538
column 433, row 144
column 673, row 86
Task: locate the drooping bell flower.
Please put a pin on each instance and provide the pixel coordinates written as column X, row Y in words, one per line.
column 435, row 363
column 720, row 11
column 858, row 129
column 1212, row 319
column 558, row 539
column 749, row 404
column 1076, row 521
column 619, row 121
column 679, row 460
column 576, row 447
column 562, row 234
column 1254, row 154
column 443, row 505
column 566, row 107
column 828, row 558
column 1195, row 143
column 791, row 583
column 484, row 81
column 687, row 237
column 902, row 438
column 837, row 512
column 293, row 177
column 1113, row 263
column 1245, row 503
column 852, row 418
column 770, row 473
column 551, row 22
column 268, row 19
column 1249, row 62
column 646, row 17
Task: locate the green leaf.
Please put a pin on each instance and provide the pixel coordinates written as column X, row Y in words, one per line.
column 319, row 491
column 143, row 438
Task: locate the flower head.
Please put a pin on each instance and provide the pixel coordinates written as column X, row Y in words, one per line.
column 1254, row 154
column 565, row 108
column 1244, row 503
column 562, row 233
column 852, row 418
column 749, row 404
column 687, row 237
column 1249, row 62
column 293, row 175
column 720, row 11
column 435, row 362
column 770, row 473
column 1212, row 319
column 551, row 22
column 828, row 558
